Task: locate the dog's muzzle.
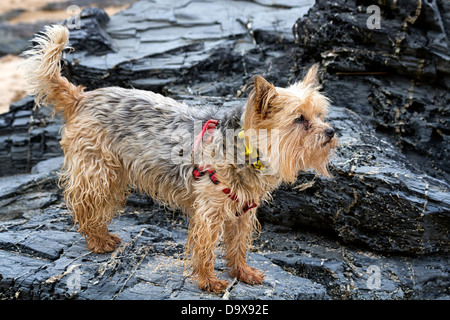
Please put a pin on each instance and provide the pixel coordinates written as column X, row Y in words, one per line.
column 329, row 133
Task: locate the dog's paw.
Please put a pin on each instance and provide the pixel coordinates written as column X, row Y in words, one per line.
column 103, row 244
column 248, row 275
column 212, row 285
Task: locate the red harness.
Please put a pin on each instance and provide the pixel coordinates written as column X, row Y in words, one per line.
column 199, row 171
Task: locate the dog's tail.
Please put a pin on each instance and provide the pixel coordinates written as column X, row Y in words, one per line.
column 43, row 72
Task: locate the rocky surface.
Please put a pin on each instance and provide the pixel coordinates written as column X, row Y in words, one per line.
column 401, row 70
column 377, row 230
column 180, row 48
column 16, row 31
column 43, row 257
column 27, row 136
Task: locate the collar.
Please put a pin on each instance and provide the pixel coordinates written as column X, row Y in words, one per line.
column 251, row 152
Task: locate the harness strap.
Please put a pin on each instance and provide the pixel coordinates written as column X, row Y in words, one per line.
column 247, row 206
column 210, row 125
column 200, row 171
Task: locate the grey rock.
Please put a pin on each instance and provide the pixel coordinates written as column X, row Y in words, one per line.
column 50, row 165
column 90, row 36
column 147, row 265
column 349, row 273
column 377, row 230
column 156, row 45
column 407, row 102
column 28, row 136
column 278, row 284
column 23, row 195
column 43, row 257
column 14, row 39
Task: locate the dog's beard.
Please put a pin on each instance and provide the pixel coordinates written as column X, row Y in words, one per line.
column 298, row 152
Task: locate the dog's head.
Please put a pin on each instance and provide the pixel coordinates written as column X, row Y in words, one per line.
column 297, row 115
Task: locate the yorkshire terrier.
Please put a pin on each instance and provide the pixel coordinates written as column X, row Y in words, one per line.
column 115, row 140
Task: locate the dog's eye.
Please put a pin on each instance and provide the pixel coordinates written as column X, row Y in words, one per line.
column 300, row 119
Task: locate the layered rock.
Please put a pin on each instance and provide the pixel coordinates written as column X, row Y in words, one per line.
column 382, row 217
column 27, row 136
column 43, row 257
column 397, row 76
column 180, row 47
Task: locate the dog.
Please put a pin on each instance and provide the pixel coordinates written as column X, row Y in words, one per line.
column 116, row 140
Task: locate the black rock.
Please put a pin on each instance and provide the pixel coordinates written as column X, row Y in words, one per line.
column 43, row 257
column 397, row 76
column 377, row 230
column 14, row 39
column 28, row 136
column 89, row 35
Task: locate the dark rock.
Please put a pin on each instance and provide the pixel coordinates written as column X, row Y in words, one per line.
column 348, row 273
column 181, row 48
column 43, row 257
column 25, row 194
column 377, row 230
column 147, row 265
column 28, row 136
column 15, row 39
column 89, row 36
column 407, row 101
column 25, row 104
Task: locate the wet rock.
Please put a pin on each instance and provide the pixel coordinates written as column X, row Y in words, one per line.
column 43, row 257
column 350, row 273
column 376, row 198
column 180, row 48
column 377, row 230
column 27, row 136
column 25, row 194
column 147, row 265
column 401, row 71
column 89, row 35
column 14, row 39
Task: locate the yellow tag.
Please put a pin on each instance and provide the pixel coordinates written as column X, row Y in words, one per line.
column 252, row 153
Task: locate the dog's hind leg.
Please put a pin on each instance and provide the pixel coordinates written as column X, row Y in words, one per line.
column 94, row 187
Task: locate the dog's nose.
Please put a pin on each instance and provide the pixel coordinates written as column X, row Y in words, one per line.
column 329, row 132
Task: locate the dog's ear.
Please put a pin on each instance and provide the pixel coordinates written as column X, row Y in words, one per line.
column 262, row 94
column 312, row 77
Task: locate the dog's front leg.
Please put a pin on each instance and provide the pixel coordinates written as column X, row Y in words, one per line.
column 205, row 228
column 238, row 239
